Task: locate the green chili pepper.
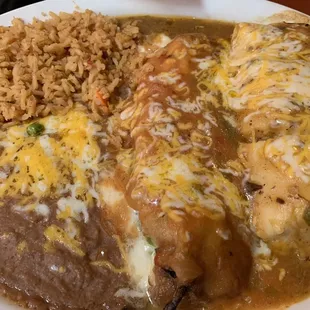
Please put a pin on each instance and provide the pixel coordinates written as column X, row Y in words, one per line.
column 150, row 242
column 35, row 129
column 307, row 216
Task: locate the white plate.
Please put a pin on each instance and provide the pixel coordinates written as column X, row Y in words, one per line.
column 237, row 10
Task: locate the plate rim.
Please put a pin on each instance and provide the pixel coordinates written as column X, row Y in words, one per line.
column 36, row 9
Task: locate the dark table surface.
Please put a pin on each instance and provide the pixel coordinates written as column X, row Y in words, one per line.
column 300, row 5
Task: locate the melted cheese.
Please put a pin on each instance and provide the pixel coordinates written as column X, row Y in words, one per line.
column 162, row 40
column 267, row 40
column 185, row 106
column 262, row 255
column 166, row 78
column 55, row 234
column 266, row 70
column 72, row 208
column 111, row 196
column 40, row 208
column 291, row 154
column 185, row 186
column 258, row 84
column 128, row 294
column 55, row 163
column 141, row 262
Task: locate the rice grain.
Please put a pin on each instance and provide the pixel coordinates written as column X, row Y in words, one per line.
column 46, row 66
